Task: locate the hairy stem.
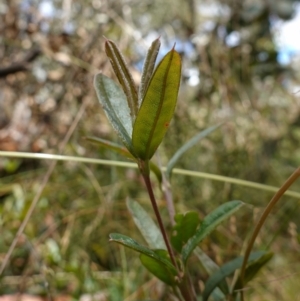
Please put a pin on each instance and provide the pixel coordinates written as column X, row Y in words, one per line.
column 295, row 175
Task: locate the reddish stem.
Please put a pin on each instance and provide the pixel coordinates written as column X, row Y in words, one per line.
column 158, row 217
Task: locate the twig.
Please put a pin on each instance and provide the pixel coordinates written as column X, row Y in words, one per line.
column 295, row 175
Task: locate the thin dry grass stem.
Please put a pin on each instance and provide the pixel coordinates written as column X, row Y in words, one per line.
column 295, row 175
column 53, row 227
column 35, row 258
column 148, row 286
column 178, row 171
column 100, row 212
column 43, row 185
column 264, row 283
column 66, row 237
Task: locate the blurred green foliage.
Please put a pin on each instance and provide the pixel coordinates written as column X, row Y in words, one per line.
column 64, row 249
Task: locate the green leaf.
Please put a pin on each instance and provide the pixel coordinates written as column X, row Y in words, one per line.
column 185, row 227
column 253, row 268
column 225, row 271
column 113, row 101
column 211, row 267
column 132, row 244
column 121, row 70
column 112, row 146
column 146, row 225
column 210, row 222
column 157, row 269
column 189, row 144
column 148, row 68
column 158, row 106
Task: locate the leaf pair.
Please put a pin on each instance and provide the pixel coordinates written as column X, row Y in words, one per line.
column 188, row 229
column 141, row 118
column 188, row 233
column 210, row 222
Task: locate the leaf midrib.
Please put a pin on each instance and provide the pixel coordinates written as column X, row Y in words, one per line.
column 159, row 107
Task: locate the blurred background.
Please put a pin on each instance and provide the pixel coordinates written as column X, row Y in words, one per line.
column 241, row 65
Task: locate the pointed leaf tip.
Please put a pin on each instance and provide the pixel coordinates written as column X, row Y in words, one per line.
column 190, row 143
column 132, row 244
column 148, row 68
column 124, row 76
